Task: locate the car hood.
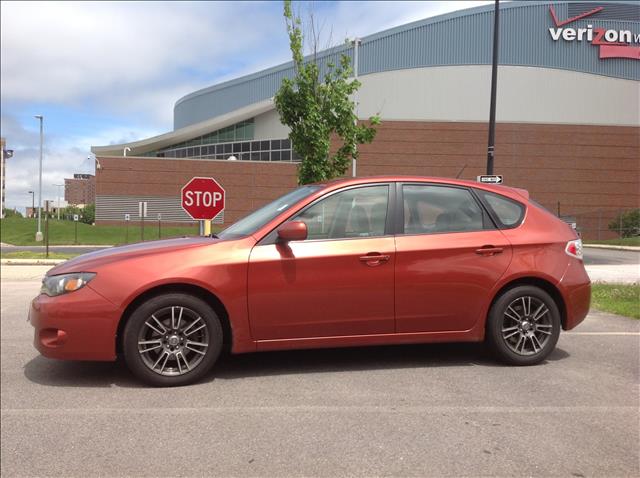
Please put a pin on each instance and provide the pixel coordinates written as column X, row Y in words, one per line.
column 92, row 260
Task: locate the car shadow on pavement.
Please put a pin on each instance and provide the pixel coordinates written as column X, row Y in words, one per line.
column 229, row 367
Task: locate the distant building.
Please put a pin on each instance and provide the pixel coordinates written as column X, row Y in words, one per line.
column 567, row 116
column 80, row 190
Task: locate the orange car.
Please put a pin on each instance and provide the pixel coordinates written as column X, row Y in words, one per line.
column 366, row 261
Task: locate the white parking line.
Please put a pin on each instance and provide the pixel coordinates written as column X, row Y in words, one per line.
column 601, row 333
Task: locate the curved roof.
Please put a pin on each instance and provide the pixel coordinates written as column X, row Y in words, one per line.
column 459, row 38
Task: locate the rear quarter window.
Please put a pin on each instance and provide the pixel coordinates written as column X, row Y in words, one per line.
column 507, row 212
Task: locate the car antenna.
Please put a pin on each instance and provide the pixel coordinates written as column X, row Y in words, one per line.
column 463, row 168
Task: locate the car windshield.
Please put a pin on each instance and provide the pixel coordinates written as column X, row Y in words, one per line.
column 254, row 221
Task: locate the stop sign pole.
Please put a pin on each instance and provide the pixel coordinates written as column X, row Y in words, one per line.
column 203, row 199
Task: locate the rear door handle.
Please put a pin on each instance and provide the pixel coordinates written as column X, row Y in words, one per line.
column 374, row 259
column 489, row 250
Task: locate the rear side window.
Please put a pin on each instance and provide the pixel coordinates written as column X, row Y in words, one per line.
column 437, row 209
column 508, row 212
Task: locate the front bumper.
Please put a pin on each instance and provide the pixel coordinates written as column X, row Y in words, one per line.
column 80, row 325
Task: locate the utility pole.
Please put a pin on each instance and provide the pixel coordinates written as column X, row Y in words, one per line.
column 39, row 232
column 356, row 43
column 494, row 85
column 59, row 186
column 4, row 155
column 33, row 203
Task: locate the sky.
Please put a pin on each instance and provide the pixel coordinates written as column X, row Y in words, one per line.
column 110, row 72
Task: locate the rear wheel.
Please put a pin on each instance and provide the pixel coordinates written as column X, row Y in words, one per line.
column 523, row 325
column 172, row 339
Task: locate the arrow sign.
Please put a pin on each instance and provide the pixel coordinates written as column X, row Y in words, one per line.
column 490, row 179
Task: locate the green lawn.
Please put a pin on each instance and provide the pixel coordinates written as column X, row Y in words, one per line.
column 37, row 255
column 624, row 241
column 621, row 299
column 21, row 232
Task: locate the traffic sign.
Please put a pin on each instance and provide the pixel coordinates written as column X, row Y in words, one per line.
column 490, row 179
column 127, row 217
column 202, row 198
column 76, row 217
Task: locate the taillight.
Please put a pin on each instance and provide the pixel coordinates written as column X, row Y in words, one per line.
column 574, row 248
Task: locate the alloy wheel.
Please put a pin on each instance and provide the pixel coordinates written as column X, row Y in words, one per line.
column 527, row 325
column 173, row 341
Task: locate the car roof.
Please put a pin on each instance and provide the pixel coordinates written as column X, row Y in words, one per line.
column 515, row 193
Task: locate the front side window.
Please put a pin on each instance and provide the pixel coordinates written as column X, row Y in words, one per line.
column 357, row 212
column 437, row 209
column 257, row 219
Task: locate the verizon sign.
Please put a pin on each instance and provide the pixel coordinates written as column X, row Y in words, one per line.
column 612, row 43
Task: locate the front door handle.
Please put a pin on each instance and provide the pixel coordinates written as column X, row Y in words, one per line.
column 374, row 259
column 489, row 250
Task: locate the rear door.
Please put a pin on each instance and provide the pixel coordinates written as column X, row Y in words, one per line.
column 449, row 256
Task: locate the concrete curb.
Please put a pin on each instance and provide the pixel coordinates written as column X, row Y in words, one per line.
column 31, row 262
column 615, row 248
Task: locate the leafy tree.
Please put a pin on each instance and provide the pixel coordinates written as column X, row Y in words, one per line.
column 89, row 214
column 315, row 109
column 627, row 224
column 11, row 213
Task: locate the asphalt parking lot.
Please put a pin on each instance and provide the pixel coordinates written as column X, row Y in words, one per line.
column 428, row 410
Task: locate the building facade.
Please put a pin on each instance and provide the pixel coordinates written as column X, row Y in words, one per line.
column 568, row 121
column 80, row 190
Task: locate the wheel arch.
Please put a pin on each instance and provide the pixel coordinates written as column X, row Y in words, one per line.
column 543, row 284
column 207, row 296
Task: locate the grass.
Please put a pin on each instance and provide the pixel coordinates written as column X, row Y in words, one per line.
column 624, row 241
column 37, row 255
column 21, row 232
column 621, row 299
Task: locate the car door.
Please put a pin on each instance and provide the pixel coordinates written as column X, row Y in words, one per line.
column 449, row 256
column 337, row 282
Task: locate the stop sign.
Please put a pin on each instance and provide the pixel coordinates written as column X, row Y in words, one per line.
column 202, row 198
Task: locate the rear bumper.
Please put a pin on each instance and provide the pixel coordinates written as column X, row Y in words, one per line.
column 77, row 326
column 575, row 287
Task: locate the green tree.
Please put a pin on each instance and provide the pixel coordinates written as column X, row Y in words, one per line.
column 627, row 224
column 89, row 214
column 315, row 109
column 11, row 213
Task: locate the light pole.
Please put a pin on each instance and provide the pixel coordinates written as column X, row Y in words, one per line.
column 4, row 155
column 356, row 43
column 58, row 186
column 39, row 232
column 33, row 202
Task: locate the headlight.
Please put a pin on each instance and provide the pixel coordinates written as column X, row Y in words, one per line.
column 64, row 283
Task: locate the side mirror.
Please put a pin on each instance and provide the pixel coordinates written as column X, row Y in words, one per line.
column 292, row 231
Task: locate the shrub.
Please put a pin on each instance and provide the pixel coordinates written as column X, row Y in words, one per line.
column 627, row 223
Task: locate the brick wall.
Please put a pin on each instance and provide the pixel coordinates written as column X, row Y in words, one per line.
column 584, row 168
column 248, row 185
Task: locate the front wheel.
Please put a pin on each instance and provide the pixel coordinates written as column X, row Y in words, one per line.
column 172, row 339
column 523, row 325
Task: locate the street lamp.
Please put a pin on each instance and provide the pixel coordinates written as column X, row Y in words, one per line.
column 39, row 232
column 5, row 154
column 33, row 202
column 58, row 186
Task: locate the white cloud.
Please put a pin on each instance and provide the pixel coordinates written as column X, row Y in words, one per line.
column 133, row 60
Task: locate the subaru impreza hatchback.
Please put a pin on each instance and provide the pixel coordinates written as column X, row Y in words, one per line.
column 367, row 261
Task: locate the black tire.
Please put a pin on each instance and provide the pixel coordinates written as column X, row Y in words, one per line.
column 142, row 326
column 534, row 339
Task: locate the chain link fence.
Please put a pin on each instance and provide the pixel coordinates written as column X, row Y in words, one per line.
column 603, row 224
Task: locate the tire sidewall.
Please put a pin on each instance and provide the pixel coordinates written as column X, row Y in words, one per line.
column 495, row 323
column 141, row 315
